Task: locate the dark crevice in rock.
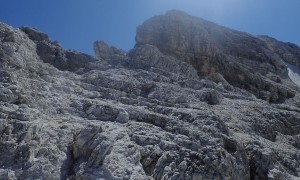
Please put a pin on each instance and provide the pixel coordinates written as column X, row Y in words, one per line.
column 265, row 129
column 149, row 163
column 256, row 171
column 67, row 168
column 211, row 97
column 230, row 145
column 154, row 119
column 146, row 89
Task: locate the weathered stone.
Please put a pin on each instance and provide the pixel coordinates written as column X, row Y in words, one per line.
column 149, row 114
column 34, row 34
column 148, row 56
column 52, row 53
column 123, row 116
column 242, row 59
column 7, row 174
column 103, row 51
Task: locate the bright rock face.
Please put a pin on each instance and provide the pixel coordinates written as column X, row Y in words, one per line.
column 182, row 106
column 294, row 73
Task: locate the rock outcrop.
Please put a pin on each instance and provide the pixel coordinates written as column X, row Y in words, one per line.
column 147, row 56
column 51, row 52
column 174, row 107
column 242, row 59
column 105, row 52
column 289, row 52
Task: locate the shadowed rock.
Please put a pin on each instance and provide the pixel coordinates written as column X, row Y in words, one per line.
column 52, row 53
column 148, row 56
column 243, row 59
column 103, row 51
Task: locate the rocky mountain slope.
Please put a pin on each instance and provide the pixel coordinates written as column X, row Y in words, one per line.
column 242, row 59
column 192, row 100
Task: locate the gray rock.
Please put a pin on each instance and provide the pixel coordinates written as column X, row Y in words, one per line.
column 123, row 116
column 51, row 52
column 103, row 51
column 35, row 34
column 148, row 56
column 242, row 59
column 289, row 52
column 149, row 114
column 7, row 174
column 182, row 166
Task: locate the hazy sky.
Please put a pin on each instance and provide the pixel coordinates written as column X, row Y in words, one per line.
column 76, row 24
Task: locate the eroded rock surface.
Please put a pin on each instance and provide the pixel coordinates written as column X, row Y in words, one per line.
column 105, row 52
column 51, row 52
column 241, row 58
column 143, row 115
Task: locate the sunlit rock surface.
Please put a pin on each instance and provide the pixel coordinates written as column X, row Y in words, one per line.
column 178, row 107
column 294, row 74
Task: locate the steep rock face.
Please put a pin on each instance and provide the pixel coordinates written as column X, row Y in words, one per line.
column 52, row 53
column 103, row 51
column 244, row 60
column 143, row 115
column 289, row 52
column 147, row 56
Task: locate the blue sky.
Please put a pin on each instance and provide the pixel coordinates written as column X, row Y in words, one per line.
column 76, row 24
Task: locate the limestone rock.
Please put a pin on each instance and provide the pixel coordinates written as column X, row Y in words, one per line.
column 35, row 34
column 149, row 114
column 7, row 174
column 51, row 52
column 123, row 117
column 289, row 52
column 148, row 56
column 103, row 51
column 242, row 59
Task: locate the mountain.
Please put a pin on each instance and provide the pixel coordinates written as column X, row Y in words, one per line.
column 245, row 61
column 192, row 100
